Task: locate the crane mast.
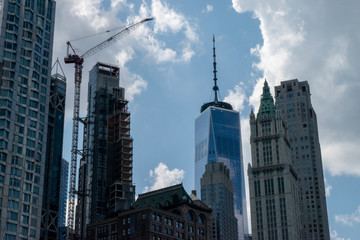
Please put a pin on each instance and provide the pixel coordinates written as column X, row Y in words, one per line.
column 78, row 61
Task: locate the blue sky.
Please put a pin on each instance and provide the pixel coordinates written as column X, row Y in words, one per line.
column 166, row 69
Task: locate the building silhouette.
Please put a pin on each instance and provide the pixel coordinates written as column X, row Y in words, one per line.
column 26, row 43
column 105, row 177
column 218, row 139
column 64, row 179
column 273, row 182
column 53, row 165
column 293, row 98
column 64, row 183
column 217, row 192
column 168, row 213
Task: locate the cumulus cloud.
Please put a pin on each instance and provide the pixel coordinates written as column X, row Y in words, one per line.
column 167, row 19
column 349, row 219
column 236, row 97
column 162, row 177
column 75, row 19
column 340, row 157
column 335, row 236
column 245, row 137
column 314, row 42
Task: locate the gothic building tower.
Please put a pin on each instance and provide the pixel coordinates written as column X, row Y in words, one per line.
column 272, row 180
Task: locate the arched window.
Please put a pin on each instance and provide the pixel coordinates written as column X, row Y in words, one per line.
column 201, row 219
column 190, row 216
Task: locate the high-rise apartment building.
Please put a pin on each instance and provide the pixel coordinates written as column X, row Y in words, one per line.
column 293, row 98
column 217, row 192
column 218, row 139
column 26, row 40
column 108, row 183
column 273, row 183
column 53, row 164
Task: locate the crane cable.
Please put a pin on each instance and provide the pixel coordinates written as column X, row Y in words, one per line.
column 95, row 34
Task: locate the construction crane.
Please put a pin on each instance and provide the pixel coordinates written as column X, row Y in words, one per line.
column 78, row 61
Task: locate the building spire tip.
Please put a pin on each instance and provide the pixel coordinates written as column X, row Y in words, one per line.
column 215, row 88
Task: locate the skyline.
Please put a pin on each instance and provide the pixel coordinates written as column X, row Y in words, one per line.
column 166, row 67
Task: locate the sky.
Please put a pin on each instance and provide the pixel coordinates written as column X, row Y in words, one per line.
column 166, row 70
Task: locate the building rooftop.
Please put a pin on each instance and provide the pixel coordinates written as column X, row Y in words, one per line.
column 167, row 198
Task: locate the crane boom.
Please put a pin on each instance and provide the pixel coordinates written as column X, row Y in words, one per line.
column 114, row 38
column 78, row 61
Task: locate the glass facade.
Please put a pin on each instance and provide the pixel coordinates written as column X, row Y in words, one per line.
column 53, row 165
column 26, row 40
column 218, row 139
column 63, row 192
column 217, row 193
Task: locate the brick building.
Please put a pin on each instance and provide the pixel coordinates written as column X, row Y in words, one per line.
column 168, row 213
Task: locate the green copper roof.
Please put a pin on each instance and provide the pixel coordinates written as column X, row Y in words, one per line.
column 267, row 106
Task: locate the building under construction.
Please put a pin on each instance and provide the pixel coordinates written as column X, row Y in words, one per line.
column 105, row 175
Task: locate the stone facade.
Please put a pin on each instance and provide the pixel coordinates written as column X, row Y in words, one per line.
column 293, row 99
column 272, row 180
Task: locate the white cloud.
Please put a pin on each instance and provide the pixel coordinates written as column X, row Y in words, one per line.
column 75, row 19
column 245, row 137
column 90, row 11
column 209, row 8
column 162, row 177
column 167, row 19
column 315, row 42
column 349, row 219
column 341, row 156
column 335, row 236
column 328, row 188
column 236, row 97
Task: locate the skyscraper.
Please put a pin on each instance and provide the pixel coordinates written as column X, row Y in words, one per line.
column 217, row 192
column 218, row 139
column 26, row 40
column 108, row 184
column 273, row 183
column 293, row 98
column 53, row 164
column 64, row 179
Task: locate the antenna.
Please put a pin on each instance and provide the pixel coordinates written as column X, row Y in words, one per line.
column 215, row 88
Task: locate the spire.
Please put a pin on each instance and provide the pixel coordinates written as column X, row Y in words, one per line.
column 216, row 102
column 267, row 106
column 215, row 88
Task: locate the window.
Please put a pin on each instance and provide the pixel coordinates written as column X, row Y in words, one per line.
column 14, row 182
column 2, row 168
column 27, row 197
column 281, row 186
column 24, row 219
column 24, row 230
column 13, row 215
column 26, row 208
column 13, row 204
column 14, row 193
column 190, row 216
